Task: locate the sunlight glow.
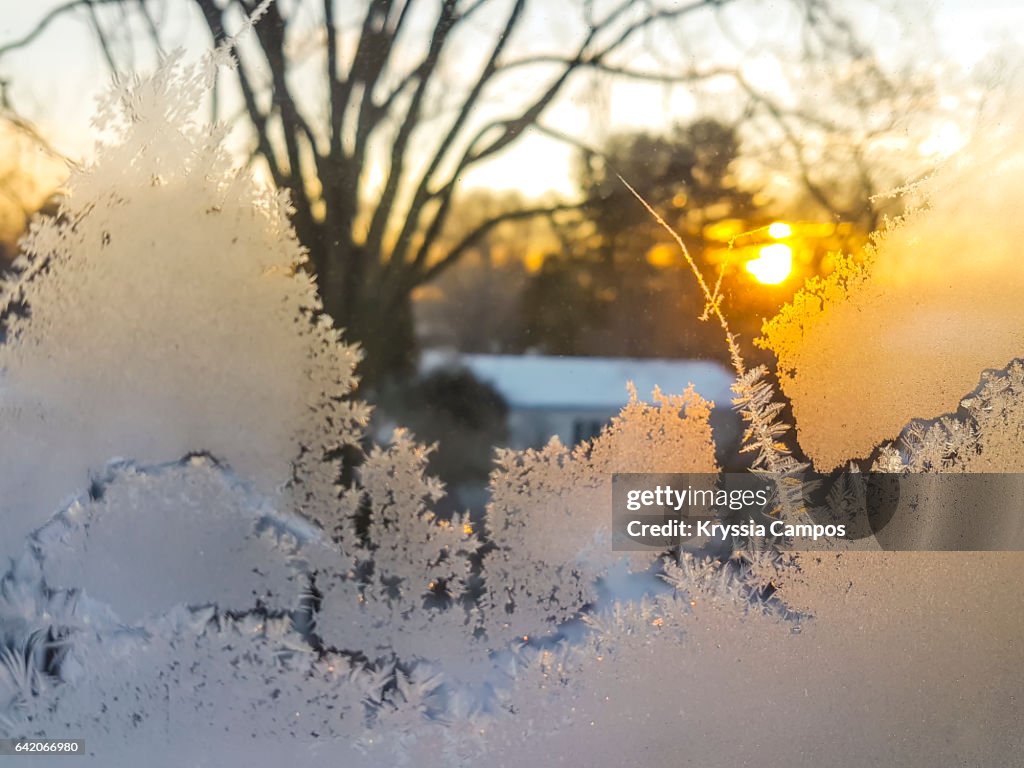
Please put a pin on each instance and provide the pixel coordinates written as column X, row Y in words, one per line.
column 773, row 265
column 662, row 256
column 779, row 230
column 534, row 261
column 946, row 139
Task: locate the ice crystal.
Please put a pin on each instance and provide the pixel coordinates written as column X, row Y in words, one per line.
column 550, row 509
column 166, row 314
column 904, row 334
column 214, row 677
column 219, row 599
column 152, row 539
column 402, row 593
column 984, row 435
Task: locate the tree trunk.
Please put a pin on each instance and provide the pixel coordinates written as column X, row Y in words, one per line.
column 377, row 317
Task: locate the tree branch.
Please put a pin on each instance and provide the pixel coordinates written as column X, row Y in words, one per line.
column 151, row 26
column 270, row 34
column 378, row 111
column 513, row 128
column 45, row 22
column 334, row 85
column 379, row 31
column 467, row 242
column 101, row 36
column 214, row 22
column 372, row 51
column 445, row 22
column 422, row 193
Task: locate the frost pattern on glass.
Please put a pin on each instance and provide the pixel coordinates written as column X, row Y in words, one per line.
column 164, row 312
column 550, row 511
column 404, row 588
column 146, row 540
column 163, row 319
column 903, row 336
column 984, row 435
column 218, row 578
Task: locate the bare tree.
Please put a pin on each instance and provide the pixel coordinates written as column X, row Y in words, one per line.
column 399, row 89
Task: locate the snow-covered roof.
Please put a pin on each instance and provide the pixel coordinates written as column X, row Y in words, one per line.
column 556, row 382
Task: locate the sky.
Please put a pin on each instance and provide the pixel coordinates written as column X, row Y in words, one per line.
column 54, row 81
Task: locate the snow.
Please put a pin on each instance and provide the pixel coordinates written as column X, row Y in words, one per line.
column 535, row 381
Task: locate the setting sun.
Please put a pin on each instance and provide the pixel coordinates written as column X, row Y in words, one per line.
column 773, row 264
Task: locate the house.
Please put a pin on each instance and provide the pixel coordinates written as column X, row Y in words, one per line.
column 575, row 397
